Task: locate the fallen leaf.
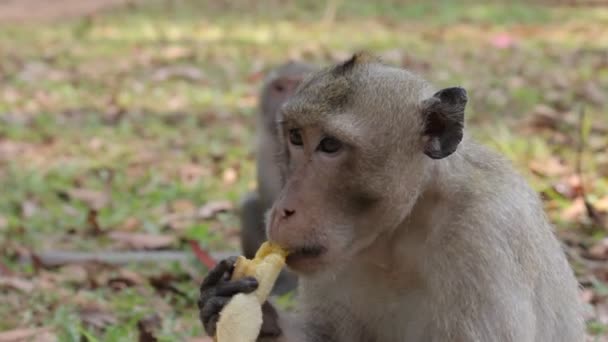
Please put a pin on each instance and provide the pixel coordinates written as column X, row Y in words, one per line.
column 94, row 199
column 147, row 327
column 183, row 206
column 143, row 240
column 130, row 224
column 549, row 167
column 29, row 208
column 125, row 278
column 16, row 283
column 3, row 223
column 229, row 176
column 185, row 72
column 599, row 250
column 570, row 187
column 601, row 204
column 575, row 211
column 191, row 174
column 26, row 334
column 94, row 227
column 502, row 41
column 212, row 208
column 96, row 317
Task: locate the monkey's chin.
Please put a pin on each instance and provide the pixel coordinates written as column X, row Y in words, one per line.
column 306, row 260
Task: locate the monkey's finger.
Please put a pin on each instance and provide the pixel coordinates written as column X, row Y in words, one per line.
column 243, row 285
column 211, row 325
column 217, row 273
column 211, row 308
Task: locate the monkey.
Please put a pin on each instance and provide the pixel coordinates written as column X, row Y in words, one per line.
column 400, row 226
column 279, row 84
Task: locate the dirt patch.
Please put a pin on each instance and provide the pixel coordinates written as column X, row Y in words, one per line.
column 50, row 10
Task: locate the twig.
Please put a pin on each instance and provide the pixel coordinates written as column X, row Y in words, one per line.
column 60, row 258
column 202, row 255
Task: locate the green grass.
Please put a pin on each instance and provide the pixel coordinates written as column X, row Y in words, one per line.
column 84, row 105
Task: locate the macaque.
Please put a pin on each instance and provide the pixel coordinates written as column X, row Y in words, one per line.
column 400, row 227
column 278, row 86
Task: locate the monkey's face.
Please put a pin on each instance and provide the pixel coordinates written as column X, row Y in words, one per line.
column 356, row 145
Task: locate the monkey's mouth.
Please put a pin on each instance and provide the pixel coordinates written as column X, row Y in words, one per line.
column 302, row 254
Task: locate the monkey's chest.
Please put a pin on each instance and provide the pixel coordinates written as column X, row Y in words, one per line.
column 369, row 315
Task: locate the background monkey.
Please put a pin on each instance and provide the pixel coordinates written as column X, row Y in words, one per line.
column 280, row 83
column 400, row 227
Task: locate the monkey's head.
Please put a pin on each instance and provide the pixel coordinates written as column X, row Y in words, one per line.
column 278, row 86
column 359, row 142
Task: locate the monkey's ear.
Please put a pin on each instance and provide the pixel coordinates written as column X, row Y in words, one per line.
column 444, row 121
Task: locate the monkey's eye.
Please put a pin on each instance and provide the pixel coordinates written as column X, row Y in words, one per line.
column 330, row 145
column 295, row 137
column 279, row 87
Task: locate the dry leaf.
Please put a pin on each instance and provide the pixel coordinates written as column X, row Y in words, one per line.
column 125, row 278
column 27, row 334
column 94, row 199
column 3, row 223
column 549, row 167
column 148, row 326
column 29, row 208
column 184, row 72
column 599, row 250
column 211, row 209
column 16, row 283
column 575, row 211
column 130, row 224
column 74, row 274
column 183, row 206
column 143, row 240
column 96, row 317
column 229, row 176
column 601, row 204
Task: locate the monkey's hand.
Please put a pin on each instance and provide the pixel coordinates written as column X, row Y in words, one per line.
column 245, row 318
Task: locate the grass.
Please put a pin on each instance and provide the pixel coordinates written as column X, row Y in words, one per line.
column 101, row 104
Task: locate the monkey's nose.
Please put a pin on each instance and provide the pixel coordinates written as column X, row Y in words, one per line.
column 287, row 212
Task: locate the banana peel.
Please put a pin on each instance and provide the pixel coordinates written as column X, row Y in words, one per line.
column 241, row 319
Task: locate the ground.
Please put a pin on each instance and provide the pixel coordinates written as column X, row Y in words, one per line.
column 128, row 126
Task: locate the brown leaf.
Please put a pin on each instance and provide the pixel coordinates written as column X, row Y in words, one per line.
column 29, row 208
column 184, row 72
column 125, row 278
column 3, row 223
column 73, row 274
column 229, row 176
column 601, row 204
column 549, row 167
column 570, row 187
column 143, row 240
column 96, row 316
column 148, row 326
column 212, row 208
column 599, row 250
column 191, row 174
column 94, row 199
column 27, row 334
column 575, row 211
column 130, row 224
column 183, row 206
column 16, row 283
column 94, row 227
